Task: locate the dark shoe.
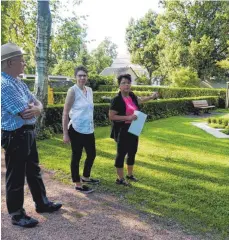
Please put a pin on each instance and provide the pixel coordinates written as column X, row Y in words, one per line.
column 49, row 208
column 91, row 181
column 132, row 178
column 122, row 182
column 84, row 189
column 24, row 221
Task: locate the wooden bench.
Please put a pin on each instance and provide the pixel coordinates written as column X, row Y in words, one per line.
column 201, row 105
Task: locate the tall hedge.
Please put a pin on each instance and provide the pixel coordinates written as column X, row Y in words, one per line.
column 154, row 109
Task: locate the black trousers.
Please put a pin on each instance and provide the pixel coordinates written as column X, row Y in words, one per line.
column 22, row 160
column 78, row 142
column 127, row 144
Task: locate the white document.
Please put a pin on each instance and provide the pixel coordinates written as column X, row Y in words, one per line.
column 137, row 125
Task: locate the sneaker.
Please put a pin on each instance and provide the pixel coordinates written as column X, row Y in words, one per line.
column 122, row 182
column 84, row 189
column 48, row 208
column 24, row 221
column 132, row 178
column 91, row 181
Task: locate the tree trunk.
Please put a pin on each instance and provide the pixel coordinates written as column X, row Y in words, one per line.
column 44, row 22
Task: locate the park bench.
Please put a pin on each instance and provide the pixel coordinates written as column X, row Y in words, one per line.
column 201, row 105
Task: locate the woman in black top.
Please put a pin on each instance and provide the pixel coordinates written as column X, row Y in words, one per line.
column 122, row 114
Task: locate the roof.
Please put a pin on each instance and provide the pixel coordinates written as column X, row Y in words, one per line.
column 124, row 61
column 116, row 71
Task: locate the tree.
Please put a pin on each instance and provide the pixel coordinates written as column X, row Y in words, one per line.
column 225, row 62
column 19, row 26
column 102, row 56
column 194, row 34
column 141, row 41
column 184, row 77
column 68, row 39
column 44, row 22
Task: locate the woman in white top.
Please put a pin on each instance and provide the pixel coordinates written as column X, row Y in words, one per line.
column 78, row 129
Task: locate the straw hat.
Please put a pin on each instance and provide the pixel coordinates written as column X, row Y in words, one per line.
column 10, row 50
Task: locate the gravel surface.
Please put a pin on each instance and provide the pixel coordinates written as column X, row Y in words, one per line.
column 94, row 216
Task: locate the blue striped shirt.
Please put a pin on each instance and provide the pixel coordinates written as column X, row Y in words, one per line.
column 15, row 97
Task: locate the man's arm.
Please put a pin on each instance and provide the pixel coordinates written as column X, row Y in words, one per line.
column 34, row 110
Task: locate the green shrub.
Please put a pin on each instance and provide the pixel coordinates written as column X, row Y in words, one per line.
column 218, row 122
column 99, row 97
column 63, row 89
column 225, row 122
column 154, row 109
column 214, row 120
column 216, row 125
column 226, row 131
column 59, row 97
column 95, row 80
column 46, row 133
column 108, row 88
column 29, row 83
column 170, row 92
column 209, row 120
column 184, row 77
column 143, row 80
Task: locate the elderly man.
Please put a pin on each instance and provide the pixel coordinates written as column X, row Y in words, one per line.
column 19, row 109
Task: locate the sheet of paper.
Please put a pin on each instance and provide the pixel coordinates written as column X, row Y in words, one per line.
column 137, row 125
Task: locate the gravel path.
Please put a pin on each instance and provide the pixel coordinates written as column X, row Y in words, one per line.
column 85, row 217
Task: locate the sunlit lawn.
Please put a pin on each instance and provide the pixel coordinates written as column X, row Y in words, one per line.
column 183, row 172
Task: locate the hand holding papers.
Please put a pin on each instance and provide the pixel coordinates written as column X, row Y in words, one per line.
column 137, row 125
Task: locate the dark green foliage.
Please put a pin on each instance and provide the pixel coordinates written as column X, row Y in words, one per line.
column 154, row 109
column 95, row 80
column 29, row 83
column 168, row 92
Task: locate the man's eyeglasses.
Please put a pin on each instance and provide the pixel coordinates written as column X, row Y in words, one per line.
column 80, row 76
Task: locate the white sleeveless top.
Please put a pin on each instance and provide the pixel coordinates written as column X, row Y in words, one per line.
column 81, row 113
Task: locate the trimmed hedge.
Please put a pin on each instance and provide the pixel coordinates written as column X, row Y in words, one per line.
column 154, row 109
column 169, row 92
column 94, row 81
column 59, row 97
column 29, row 83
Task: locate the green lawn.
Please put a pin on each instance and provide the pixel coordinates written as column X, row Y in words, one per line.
column 183, row 172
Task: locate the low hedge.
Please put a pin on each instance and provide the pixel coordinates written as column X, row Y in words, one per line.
column 59, row 97
column 154, row 109
column 169, row 92
column 103, row 97
column 94, row 81
column 29, row 83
